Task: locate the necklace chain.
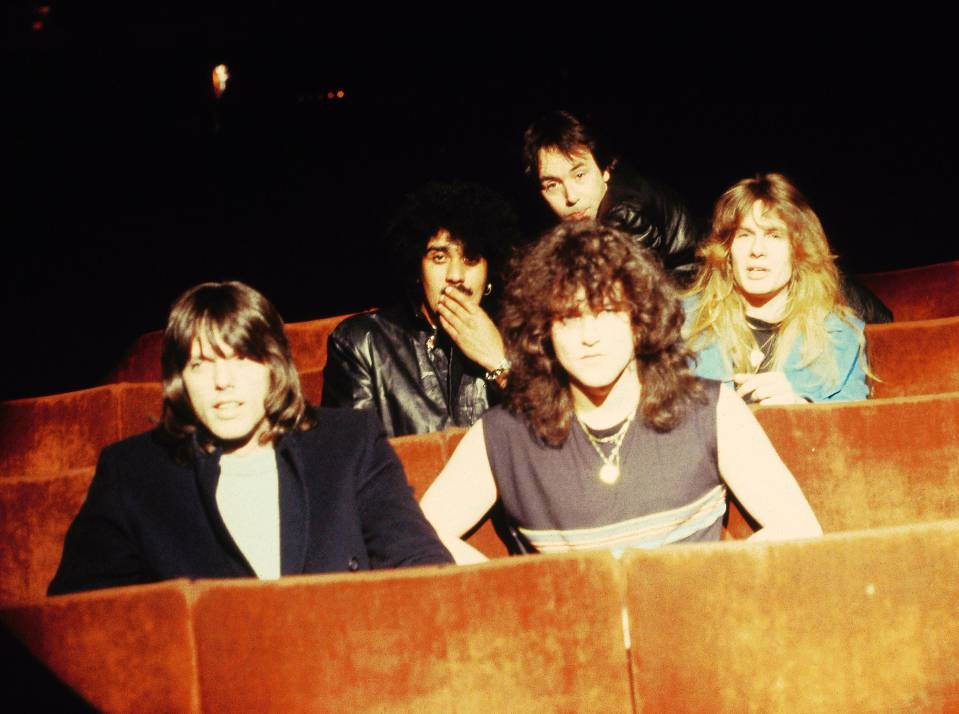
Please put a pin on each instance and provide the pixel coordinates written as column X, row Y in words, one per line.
column 609, row 471
column 757, row 355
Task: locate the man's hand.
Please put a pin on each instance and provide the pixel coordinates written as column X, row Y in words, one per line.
column 767, row 388
column 471, row 329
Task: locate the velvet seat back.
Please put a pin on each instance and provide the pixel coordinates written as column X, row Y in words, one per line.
column 855, row 622
column 526, row 634
column 121, row 650
column 913, row 358
column 922, row 293
column 870, row 464
column 858, row 621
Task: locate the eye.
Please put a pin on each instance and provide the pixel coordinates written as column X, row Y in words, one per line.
column 549, row 186
column 438, row 257
column 580, row 174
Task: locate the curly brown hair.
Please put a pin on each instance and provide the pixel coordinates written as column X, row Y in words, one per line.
column 608, row 266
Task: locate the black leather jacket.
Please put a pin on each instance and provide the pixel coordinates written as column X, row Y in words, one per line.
column 657, row 219
column 395, row 362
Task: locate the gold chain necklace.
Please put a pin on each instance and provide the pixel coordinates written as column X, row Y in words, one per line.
column 609, row 471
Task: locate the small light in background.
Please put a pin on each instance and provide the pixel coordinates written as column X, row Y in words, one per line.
column 37, row 25
column 340, row 94
column 221, row 75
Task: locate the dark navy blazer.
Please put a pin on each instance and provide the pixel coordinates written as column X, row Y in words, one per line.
column 344, row 505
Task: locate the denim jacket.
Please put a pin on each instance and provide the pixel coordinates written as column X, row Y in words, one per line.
column 850, row 384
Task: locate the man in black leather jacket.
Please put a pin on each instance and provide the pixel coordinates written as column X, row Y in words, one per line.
column 578, row 181
column 436, row 360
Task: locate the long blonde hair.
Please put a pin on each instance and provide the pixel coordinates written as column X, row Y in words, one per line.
column 813, row 288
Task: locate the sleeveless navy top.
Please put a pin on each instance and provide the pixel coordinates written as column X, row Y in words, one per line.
column 669, row 489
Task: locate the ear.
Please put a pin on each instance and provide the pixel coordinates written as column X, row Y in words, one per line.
column 605, row 175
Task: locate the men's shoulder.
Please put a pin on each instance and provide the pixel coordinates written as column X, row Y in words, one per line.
column 357, row 329
column 150, row 443
column 338, row 423
column 849, row 323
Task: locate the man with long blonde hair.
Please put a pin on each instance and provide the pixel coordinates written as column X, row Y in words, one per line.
column 767, row 311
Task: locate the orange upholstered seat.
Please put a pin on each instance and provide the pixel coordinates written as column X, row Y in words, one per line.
column 869, row 464
column 858, row 621
column 521, row 635
column 35, row 512
column 855, row 622
column 122, row 649
column 918, row 293
column 912, row 358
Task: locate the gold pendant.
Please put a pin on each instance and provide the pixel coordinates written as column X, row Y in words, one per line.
column 609, row 474
column 756, row 357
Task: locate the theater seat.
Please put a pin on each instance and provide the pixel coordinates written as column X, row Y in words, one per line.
column 855, row 622
column 423, row 457
column 922, row 293
column 122, row 649
column 517, row 635
column 913, row 358
column 870, row 464
column 35, row 513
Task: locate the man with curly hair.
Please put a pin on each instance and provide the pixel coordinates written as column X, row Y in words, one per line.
column 606, row 439
column 435, row 360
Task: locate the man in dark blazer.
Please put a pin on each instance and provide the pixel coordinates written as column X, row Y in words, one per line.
column 242, row 478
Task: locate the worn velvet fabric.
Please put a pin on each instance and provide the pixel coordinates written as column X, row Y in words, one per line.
column 519, row 635
column 121, row 650
column 857, row 622
column 922, row 293
column 344, row 506
column 913, row 358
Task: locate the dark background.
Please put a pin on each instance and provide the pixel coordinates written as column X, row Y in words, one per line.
column 128, row 182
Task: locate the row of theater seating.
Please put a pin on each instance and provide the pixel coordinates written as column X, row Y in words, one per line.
column 862, row 621
column 858, row 620
column 925, row 293
column 908, row 358
column 861, row 464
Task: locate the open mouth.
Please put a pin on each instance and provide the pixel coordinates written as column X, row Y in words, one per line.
column 227, row 408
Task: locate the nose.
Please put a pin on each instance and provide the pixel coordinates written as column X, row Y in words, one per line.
column 455, row 270
column 589, row 334
column 757, row 245
column 572, row 197
column 223, row 376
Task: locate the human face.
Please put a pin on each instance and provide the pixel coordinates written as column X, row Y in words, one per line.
column 573, row 185
column 762, row 257
column 228, row 394
column 595, row 348
column 444, row 265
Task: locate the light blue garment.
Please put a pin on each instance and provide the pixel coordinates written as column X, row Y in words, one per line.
column 851, row 382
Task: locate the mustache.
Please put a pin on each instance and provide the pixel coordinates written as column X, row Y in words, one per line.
column 465, row 289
